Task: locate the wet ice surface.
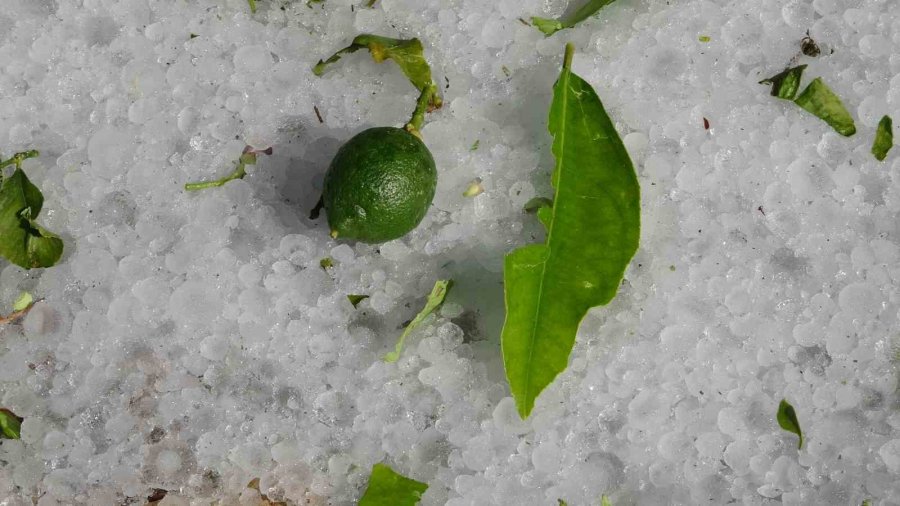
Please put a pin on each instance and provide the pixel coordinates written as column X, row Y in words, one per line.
column 192, row 343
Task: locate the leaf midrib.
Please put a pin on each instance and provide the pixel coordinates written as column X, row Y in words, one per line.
column 558, row 169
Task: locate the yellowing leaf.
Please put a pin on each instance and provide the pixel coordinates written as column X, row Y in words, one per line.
column 23, row 301
column 409, row 55
column 593, row 232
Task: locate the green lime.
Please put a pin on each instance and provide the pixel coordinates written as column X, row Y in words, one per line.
column 379, row 185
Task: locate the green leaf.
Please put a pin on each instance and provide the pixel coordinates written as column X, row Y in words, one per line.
column 819, row 100
column 23, row 301
column 435, row 299
column 866, row 502
column 475, row 145
column 785, row 84
column 252, row 5
column 551, row 26
column 356, row 299
column 593, row 232
column 326, row 263
column 884, row 138
column 704, row 38
column 387, row 488
column 787, row 419
column 604, row 501
column 22, row 241
column 10, row 425
column 560, row 502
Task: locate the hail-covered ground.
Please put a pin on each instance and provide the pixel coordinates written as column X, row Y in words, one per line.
column 191, row 342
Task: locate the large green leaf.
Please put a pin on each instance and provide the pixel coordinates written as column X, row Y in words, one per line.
column 593, row 232
column 22, row 241
column 387, row 488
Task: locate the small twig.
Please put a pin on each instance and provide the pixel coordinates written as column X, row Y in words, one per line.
column 429, row 100
column 247, row 158
column 318, row 114
column 18, row 315
column 526, row 23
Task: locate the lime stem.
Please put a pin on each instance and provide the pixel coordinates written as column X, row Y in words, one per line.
column 428, row 100
column 252, row 5
column 570, row 53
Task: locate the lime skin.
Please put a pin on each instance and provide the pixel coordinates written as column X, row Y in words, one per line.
column 379, row 185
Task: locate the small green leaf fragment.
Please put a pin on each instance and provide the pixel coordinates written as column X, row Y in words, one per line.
column 326, row 263
column 10, row 425
column 550, row 26
column 884, row 138
column 435, row 299
column 546, row 25
column 387, row 488
column 252, row 5
column 474, row 188
column 819, row 100
column 475, row 145
column 560, row 502
column 604, row 501
column 704, row 38
column 593, row 232
column 787, row 419
column 866, row 502
column 786, row 83
column 22, row 241
column 23, row 301
column 356, row 299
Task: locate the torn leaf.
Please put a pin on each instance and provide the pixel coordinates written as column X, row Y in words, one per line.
column 785, row 84
column 819, row 100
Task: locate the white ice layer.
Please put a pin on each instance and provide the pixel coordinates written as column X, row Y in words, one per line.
column 191, row 342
